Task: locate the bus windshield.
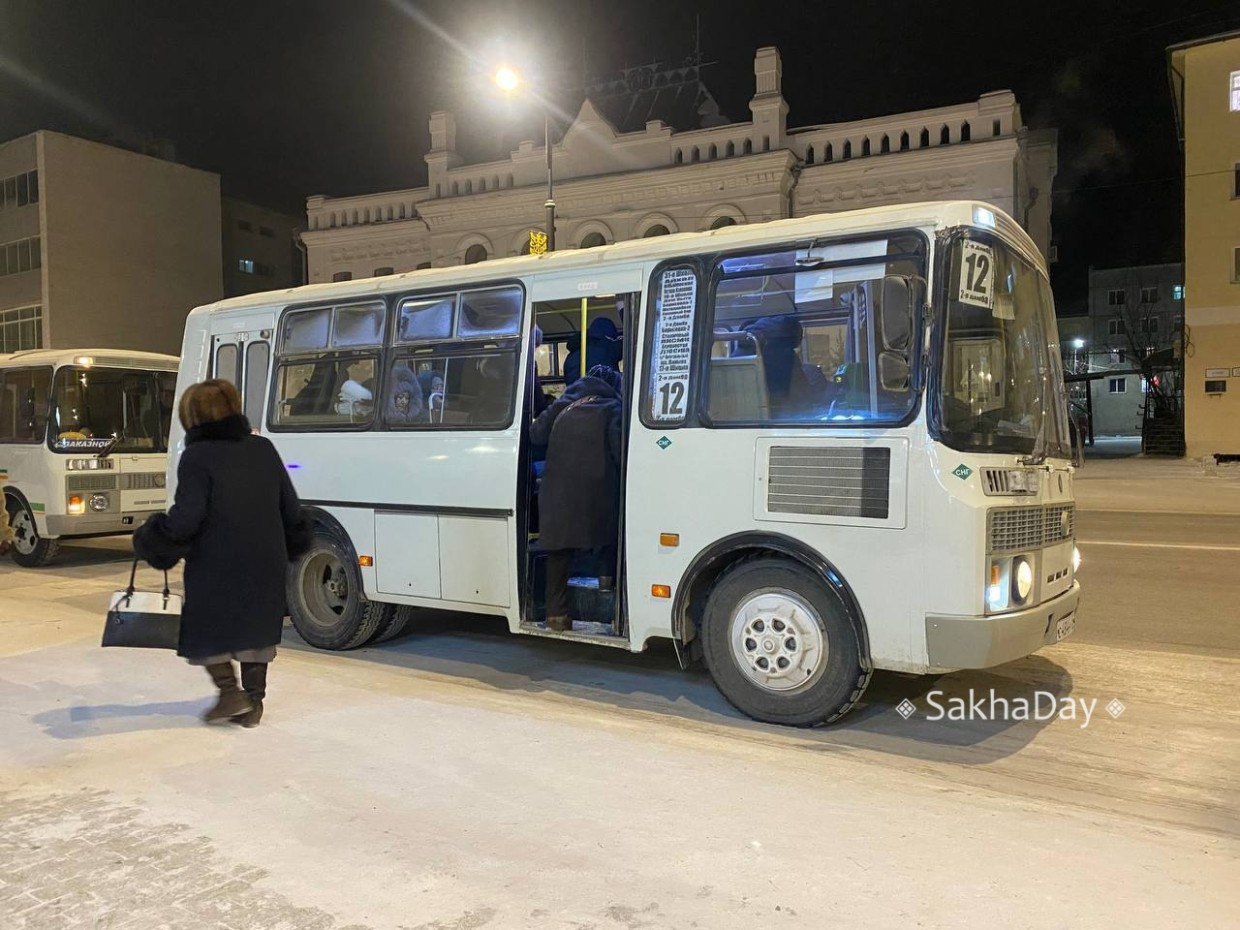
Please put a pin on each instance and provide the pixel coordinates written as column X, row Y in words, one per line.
column 121, row 409
column 1001, row 383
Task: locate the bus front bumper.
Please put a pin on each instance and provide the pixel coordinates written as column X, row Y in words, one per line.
column 96, row 524
column 981, row 642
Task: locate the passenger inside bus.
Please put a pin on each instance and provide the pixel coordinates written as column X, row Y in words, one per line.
column 579, row 498
column 604, row 346
column 404, row 401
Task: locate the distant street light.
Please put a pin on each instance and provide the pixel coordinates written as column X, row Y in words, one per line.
column 1078, row 343
column 509, row 80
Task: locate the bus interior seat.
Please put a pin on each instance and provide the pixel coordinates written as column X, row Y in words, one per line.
column 738, row 389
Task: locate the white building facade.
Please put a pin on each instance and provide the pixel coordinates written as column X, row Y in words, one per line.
column 615, row 182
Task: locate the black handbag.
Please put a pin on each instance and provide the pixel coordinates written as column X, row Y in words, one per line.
column 143, row 619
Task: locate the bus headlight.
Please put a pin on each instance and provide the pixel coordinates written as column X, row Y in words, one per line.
column 99, row 503
column 1076, row 560
column 76, row 506
column 1022, row 580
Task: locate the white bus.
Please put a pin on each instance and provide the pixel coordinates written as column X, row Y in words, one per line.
column 83, row 444
column 845, row 446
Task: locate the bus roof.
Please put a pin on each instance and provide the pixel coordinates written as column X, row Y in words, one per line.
column 118, row 358
column 930, row 214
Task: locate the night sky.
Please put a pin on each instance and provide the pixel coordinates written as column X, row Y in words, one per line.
column 286, row 99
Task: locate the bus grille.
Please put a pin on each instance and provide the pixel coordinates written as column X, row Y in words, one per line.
column 833, row 482
column 1015, row 529
column 142, row 480
column 90, row 483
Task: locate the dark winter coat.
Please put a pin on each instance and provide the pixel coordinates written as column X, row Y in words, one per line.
column 236, row 521
column 579, row 499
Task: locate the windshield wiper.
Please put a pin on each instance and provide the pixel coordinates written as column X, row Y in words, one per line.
column 116, row 441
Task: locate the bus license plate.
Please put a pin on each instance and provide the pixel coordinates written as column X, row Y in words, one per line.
column 1065, row 626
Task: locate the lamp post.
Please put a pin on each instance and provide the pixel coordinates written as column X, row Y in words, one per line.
column 509, row 80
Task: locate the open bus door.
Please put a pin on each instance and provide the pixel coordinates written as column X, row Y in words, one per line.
column 564, row 307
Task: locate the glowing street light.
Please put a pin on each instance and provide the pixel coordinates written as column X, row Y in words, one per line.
column 508, row 79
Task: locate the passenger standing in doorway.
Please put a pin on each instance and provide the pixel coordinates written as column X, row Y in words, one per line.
column 579, row 500
column 603, row 346
column 237, row 522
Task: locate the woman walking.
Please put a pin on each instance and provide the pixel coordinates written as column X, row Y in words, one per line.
column 237, row 522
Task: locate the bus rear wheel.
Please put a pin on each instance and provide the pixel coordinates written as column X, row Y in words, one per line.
column 779, row 644
column 30, row 550
column 325, row 598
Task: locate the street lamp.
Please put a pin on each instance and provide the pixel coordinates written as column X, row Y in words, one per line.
column 1077, row 345
column 509, row 80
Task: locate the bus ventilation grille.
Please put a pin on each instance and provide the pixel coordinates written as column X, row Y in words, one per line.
column 830, row 482
column 141, row 480
column 90, row 483
column 1016, row 529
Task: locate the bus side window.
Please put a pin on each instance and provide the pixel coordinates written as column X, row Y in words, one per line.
column 227, row 362
column 455, row 360
column 327, row 376
column 24, row 404
column 257, row 361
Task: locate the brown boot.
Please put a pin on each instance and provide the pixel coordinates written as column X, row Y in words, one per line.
column 560, row 624
column 254, row 681
column 233, row 702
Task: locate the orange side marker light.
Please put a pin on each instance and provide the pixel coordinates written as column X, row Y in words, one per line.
column 365, row 561
column 660, row 590
column 669, row 539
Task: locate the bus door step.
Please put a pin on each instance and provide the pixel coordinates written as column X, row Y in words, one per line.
column 599, row 634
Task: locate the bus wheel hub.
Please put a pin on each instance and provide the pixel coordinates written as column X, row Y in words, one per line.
column 777, row 640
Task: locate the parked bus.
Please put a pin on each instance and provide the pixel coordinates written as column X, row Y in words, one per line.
column 83, row 444
column 845, row 446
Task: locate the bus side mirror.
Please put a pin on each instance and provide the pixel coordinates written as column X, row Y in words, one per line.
column 896, row 312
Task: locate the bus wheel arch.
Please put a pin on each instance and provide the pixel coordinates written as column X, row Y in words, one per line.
column 44, row 549
column 738, row 582
column 324, row 590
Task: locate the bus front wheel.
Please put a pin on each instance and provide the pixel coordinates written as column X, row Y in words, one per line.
column 779, row 644
column 30, row 550
column 325, row 598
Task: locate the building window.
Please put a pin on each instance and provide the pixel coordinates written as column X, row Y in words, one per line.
column 245, row 225
column 19, row 190
column 1235, row 92
column 21, row 329
column 384, row 271
column 1115, row 327
column 1119, row 356
column 342, row 276
column 1177, row 292
column 267, row 232
column 249, row 266
column 658, row 229
column 1149, row 295
column 20, row 256
column 723, row 222
column 1117, row 297
column 592, row 241
column 475, row 253
column 1117, row 385
column 1149, row 324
